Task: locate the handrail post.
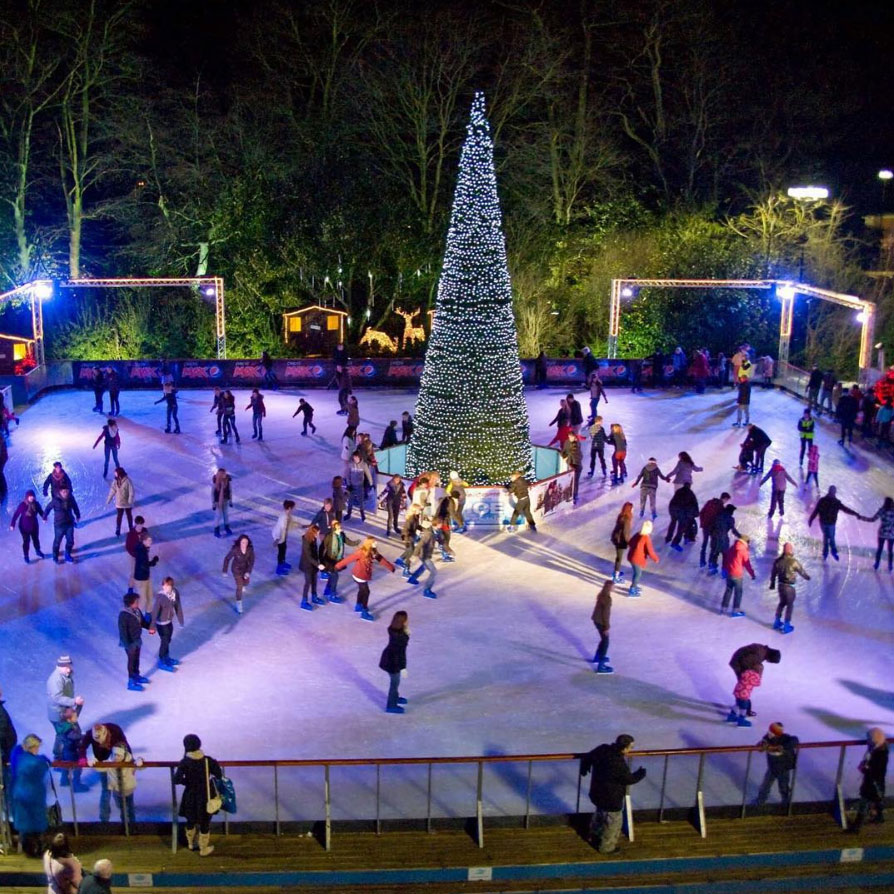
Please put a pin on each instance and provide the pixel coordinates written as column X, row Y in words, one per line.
column 700, row 798
column 479, row 812
column 791, row 794
column 173, row 813
column 663, row 789
column 577, row 802
column 839, row 793
column 528, row 796
column 428, row 802
column 74, row 809
column 277, row 823
column 378, row 796
column 327, row 836
column 123, row 798
column 745, row 784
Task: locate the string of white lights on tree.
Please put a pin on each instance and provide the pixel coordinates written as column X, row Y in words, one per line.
column 471, row 414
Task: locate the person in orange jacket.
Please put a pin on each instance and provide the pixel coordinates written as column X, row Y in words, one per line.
column 639, row 552
column 736, row 561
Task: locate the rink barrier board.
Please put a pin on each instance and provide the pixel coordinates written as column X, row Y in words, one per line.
column 520, row 873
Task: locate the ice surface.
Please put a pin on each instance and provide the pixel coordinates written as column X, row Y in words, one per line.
column 497, row 664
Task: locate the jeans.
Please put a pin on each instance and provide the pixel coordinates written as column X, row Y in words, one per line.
column 813, row 398
column 637, row 574
column 222, row 514
column 602, row 648
column 97, row 398
column 310, row 582
column 878, row 553
column 119, row 515
column 594, row 404
column 829, row 540
column 786, row 602
column 281, row 553
column 782, row 777
column 647, row 493
column 257, row 426
column 429, row 566
column 733, row 586
column 362, row 593
column 114, row 406
column 743, row 410
column 60, row 531
column 308, row 423
column 110, row 450
column 229, row 423
column 619, row 556
column 456, row 512
column 393, row 694
column 594, row 452
column 172, row 414
column 705, row 539
column 805, row 443
column 576, row 485
column 777, row 499
column 332, row 583
column 133, row 661
column 165, row 632
column 719, row 546
column 606, row 827
column 355, row 498
column 28, row 538
column 847, row 431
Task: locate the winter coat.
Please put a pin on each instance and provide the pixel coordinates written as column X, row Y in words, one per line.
column 456, row 490
column 407, row 427
column 598, row 436
column 358, row 475
column 57, row 484
column 779, row 476
column 886, row 528
column 596, row 390
column 122, row 780
column 131, row 625
column 575, row 414
column 759, row 438
column 284, row 522
column 750, row 657
column 560, row 419
column 65, row 512
column 786, row 569
column 27, row 515
column 221, row 491
column 681, row 473
column 723, row 524
column 167, row 607
column 60, row 694
column 339, row 500
column 256, row 403
column 353, row 415
column 348, row 446
column 29, row 774
column 519, row 488
column 394, row 495
column 243, row 562
column 389, row 438
column 310, row 554
column 610, row 776
column 649, row 475
column 748, row 681
column 709, row 513
column 410, row 528
column 94, row 884
column 736, row 560
column 122, row 491
column 8, row 735
column 333, row 550
column 602, row 611
column 363, row 564
column 619, row 442
column 191, row 774
column 806, row 427
column 571, row 452
column 394, row 655
column 827, row 508
column 875, row 765
column 102, row 752
column 683, row 504
column 323, row 520
column 108, row 438
column 641, row 550
column 142, row 562
column 847, row 408
column 620, row 537
column 782, row 751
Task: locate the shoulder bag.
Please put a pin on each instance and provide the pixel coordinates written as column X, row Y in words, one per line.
column 214, row 801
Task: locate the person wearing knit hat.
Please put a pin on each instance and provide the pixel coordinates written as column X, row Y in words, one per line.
column 747, row 663
column 736, row 562
column 782, row 755
column 60, row 698
column 874, row 768
column 197, row 773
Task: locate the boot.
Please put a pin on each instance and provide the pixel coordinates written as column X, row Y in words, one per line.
column 191, row 839
column 217, row 531
column 412, row 578
column 777, row 624
column 205, row 849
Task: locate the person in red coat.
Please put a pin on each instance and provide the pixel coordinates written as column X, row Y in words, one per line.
column 736, row 561
column 639, row 552
column 363, row 561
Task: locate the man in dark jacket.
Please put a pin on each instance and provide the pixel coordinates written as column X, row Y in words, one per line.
column 100, row 881
column 813, row 388
column 683, row 510
column 575, row 413
column 571, row 453
column 874, row 768
column 56, row 480
column 782, row 755
column 720, row 531
column 519, row 488
column 847, row 409
column 131, row 624
column 706, row 519
column 608, row 788
column 827, row 508
column 65, row 515
column 760, row 442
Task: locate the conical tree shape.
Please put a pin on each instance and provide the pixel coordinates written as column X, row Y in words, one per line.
column 471, row 414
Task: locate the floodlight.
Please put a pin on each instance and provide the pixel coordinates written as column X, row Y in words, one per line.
column 210, row 291
column 808, row 192
column 885, row 174
column 786, row 292
column 861, row 316
column 43, row 290
column 626, row 292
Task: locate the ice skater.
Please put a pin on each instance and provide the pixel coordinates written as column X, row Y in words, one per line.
column 284, row 523
column 520, row 489
column 778, row 476
column 229, row 418
column 311, row 566
column 170, row 400
column 324, row 518
column 571, row 453
column 683, row 511
column 353, row 411
column 56, row 480
column 363, row 561
column 389, row 436
column 827, row 508
column 242, row 556
column 130, row 547
column 885, row 518
column 782, row 756
column 168, row 606
column 307, row 412
column 736, row 561
column 598, row 439
column 806, row 431
column 618, row 440
column 620, row 538
column 442, row 523
column 594, row 383
column 122, row 491
column 747, row 663
column 218, row 407
column 142, row 570
column 647, row 480
column 456, row 490
column 786, row 570
column 601, row 618
column 813, row 458
column 409, row 531
column 423, row 551
column 760, row 442
column 560, row 420
column 221, row 500
column 393, row 499
column 66, row 515
column 114, row 393
column 706, row 519
column 394, row 660
column 348, row 446
column 682, row 472
column 331, row 553
column 28, row 515
column 724, row 523
column 407, row 427
column 846, row 411
column 131, row 624
column 639, row 552
column 358, row 478
column 339, row 497
column 111, row 442
column 258, row 412
column 743, row 402
column 98, row 383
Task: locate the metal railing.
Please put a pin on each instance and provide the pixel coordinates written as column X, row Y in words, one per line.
column 667, row 757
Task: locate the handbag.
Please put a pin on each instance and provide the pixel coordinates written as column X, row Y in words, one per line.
column 227, row 792
column 54, row 811
column 213, row 803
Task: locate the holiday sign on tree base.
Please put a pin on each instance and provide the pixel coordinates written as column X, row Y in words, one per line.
column 471, row 415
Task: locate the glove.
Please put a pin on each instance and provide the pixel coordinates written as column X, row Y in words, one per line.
column 139, row 761
column 404, row 674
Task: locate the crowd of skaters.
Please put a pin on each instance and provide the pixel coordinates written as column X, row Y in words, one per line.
column 429, row 522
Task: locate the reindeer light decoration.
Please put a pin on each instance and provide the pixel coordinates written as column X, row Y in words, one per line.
column 382, row 341
column 411, row 333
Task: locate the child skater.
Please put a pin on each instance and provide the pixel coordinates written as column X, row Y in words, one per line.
column 308, row 413
column 813, row 455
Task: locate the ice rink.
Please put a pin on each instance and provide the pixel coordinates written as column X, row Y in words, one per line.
column 497, row 664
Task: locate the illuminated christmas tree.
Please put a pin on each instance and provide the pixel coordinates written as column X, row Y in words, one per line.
column 471, row 414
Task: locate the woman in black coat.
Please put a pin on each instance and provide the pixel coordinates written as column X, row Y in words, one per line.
column 194, row 773
column 394, row 659
column 311, row 565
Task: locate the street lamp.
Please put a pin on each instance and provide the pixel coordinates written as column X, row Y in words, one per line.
column 809, row 193
column 885, row 174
